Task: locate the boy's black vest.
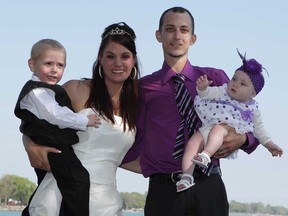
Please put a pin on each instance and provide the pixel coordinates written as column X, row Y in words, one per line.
column 40, row 131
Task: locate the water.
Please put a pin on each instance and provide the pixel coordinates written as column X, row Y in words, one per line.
column 10, row 213
column 17, row 213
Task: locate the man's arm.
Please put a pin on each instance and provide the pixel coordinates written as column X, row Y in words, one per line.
column 133, row 166
column 234, row 141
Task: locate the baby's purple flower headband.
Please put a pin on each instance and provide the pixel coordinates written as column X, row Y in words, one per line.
column 254, row 70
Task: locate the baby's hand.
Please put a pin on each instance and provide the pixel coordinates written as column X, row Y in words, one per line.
column 203, row 83
column 94, row 121
column 274, row 149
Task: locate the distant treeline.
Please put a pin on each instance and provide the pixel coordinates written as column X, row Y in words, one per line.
column 253, row 208
column 15, row 190
column 136, row 200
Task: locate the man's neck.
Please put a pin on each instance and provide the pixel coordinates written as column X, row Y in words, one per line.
column 177, row 64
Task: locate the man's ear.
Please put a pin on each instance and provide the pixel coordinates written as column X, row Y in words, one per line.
column 193, row 39
column 158, row 36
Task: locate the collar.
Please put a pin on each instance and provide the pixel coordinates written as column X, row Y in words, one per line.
column 167, row 72
column 35, row 78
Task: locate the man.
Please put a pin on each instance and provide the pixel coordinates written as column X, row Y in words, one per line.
column 158, row 125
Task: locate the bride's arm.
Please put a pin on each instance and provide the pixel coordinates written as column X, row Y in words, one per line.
column 37, row 154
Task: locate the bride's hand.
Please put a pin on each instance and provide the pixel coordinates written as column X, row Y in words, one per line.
column 38, row 154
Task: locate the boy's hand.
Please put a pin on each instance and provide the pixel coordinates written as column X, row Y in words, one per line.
column 94, row 121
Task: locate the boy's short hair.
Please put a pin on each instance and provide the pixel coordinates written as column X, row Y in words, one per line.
column 43, row 45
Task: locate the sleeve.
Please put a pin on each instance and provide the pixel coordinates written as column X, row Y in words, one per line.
column 134, row 151
column 219, row 78
column 259, row 130
column 212, row 92
column 41, row 102
column 251, row 143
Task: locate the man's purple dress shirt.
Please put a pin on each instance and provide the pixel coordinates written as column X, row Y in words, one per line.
column 159, row 118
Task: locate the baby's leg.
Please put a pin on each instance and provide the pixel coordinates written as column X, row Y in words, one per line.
column 47, row 198
column 215, row 139
column 194, row 145
column 215, row 136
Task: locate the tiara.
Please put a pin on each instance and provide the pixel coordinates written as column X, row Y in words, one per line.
column 117, row 31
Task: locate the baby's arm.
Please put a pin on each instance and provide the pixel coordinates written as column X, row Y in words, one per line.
column 205, row 91
column 274, row 149
column 203, row 83
column 262, row 134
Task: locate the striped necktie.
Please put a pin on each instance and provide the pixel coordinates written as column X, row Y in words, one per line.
column 189, row 119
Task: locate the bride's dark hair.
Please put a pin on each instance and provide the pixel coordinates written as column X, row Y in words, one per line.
column 99, row 97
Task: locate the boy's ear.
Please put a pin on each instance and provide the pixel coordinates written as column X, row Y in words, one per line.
column 31, row 64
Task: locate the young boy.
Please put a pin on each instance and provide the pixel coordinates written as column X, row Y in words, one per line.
column 48, row 119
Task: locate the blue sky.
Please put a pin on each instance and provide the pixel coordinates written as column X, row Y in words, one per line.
column 256, row 27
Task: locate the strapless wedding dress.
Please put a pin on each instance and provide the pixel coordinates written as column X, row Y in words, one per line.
column 101, row 150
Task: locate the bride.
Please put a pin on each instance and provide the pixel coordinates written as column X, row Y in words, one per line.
column 112, row 94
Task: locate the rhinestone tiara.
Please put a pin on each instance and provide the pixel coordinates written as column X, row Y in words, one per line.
column 117, row 31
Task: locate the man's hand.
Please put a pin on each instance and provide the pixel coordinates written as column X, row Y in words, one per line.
column 232, row 142
column 38, row 154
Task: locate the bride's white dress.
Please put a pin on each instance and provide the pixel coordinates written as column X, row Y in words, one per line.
column 101, row 151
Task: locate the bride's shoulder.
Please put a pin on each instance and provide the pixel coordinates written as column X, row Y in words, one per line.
column 77, row 86
column 78, row 91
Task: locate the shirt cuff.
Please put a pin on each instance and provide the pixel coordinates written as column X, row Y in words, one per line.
column 81, row 122
column 250, row 144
